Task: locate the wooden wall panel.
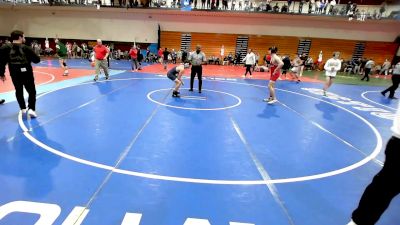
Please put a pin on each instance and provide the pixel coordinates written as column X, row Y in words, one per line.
column 379, row 51
column 328, row 46
column 261, row 44
column 171, row 40
column 212, row 43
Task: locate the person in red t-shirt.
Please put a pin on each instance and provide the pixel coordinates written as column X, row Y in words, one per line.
column 100, row 58
column 134, row 57
column 160, row 55
column 268, row 60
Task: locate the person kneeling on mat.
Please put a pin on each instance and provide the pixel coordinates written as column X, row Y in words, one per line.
column 175, row 74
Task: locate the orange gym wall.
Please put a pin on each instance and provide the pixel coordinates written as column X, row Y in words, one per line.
column 212, row 43
column 121, row 24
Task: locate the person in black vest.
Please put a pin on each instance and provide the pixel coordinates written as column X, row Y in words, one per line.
column 286, row 65
column 303, row 58
column 236, row 61
column 197, row 59
column 139, row 57
column 362, row 66
column 184, row 56
column 165, row 58
column 19, row 57
column 301, row 6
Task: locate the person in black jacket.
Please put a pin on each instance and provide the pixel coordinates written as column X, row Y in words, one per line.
column 286, row 65
column 19, row 57
column 184, row 55
column 385, row 186
column 165, row 58
column 139, row 57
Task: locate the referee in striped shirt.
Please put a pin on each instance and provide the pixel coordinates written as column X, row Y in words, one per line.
column 197, row 58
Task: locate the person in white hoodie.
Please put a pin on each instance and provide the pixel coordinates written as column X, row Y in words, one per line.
column 385, row 185
column 249, row 61
column 332, row 66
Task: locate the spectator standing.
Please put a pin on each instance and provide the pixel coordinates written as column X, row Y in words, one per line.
column 250, row 61
column 100, row 54
column 19, row 57
column 166, row 55
column 385, row 67
column 368, row 67
column 133, row 52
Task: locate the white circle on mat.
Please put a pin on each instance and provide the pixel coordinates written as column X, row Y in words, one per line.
column 363, row 161
column 239, row 101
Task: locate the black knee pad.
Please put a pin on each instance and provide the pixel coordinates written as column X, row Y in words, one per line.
column 64, row 64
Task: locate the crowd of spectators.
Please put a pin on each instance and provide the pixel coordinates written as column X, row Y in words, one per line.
column 320, row 7
column 351, row 67
column 83, row 50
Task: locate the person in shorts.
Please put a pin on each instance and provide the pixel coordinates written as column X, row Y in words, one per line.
column 175, row 74
column 332, row 66
column 62, row 55
column 276, row 66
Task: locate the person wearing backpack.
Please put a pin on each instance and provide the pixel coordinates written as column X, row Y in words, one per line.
column 19, row 57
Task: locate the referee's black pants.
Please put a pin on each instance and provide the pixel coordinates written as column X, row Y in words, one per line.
column 395, row 85
column 199, row 71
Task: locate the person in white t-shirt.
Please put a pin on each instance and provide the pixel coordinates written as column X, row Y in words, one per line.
column 47, row 43
column 319, row 61
column 368, row 67
column 385, row 67
column 47, row 49
column 385, row 185
column 296, row 64
column 250, row 61
column 332, row 66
